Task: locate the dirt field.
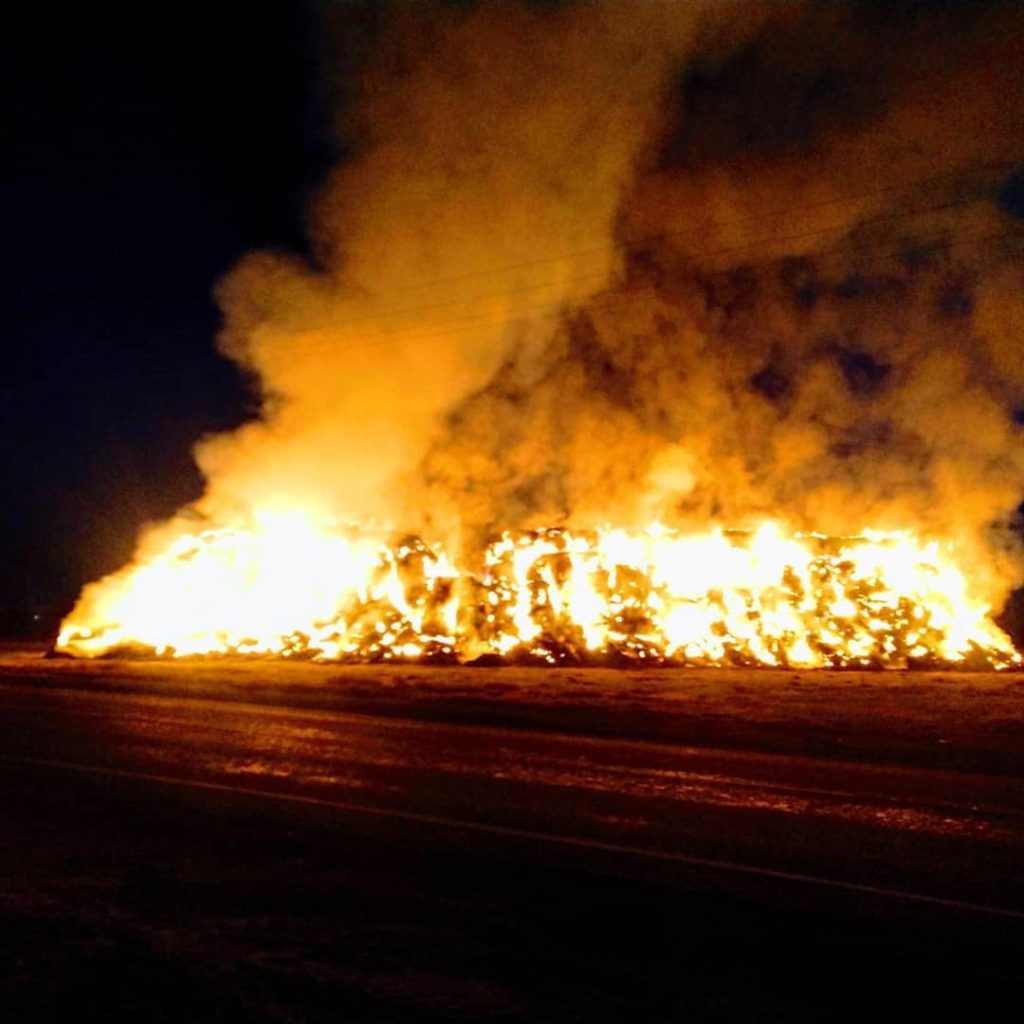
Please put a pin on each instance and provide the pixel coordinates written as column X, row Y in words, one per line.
column 966, row 721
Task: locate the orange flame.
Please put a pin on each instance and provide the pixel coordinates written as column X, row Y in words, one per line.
column 295, row 588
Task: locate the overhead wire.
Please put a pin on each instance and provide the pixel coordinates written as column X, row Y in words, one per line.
column 555, row 306
column 625, row 297
column 397, row 311
column 994, row 166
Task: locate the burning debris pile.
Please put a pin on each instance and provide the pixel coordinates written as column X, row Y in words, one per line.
column 550, row 597
column 703, row 265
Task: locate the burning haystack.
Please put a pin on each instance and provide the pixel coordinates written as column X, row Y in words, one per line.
column 672, row 332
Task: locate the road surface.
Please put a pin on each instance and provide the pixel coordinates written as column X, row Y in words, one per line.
column 174, row 856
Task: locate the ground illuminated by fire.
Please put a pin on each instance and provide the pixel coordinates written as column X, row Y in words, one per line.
column 290, row 588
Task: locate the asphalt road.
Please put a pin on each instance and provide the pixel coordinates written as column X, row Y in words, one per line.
column 183, row 858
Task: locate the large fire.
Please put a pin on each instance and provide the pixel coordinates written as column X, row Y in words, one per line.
column 291, row 587
column 641, row 265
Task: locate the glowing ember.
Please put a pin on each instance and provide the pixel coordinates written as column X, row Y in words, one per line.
column 291, row 588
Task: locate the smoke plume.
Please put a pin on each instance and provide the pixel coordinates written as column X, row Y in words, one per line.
column 492, row 147
column 594, row 263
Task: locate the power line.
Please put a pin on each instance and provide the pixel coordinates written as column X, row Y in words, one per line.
column 126, row 426
column 478, row 321
column 727, row 250
column 993, row 166
column 556, row 307
column 627, row 244
column 482, row 321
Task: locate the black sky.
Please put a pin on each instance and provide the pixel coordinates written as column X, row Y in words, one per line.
column 149, row 148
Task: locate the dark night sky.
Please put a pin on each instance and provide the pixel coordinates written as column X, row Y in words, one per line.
column 150, row 147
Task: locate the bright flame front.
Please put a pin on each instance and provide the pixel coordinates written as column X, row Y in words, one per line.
column 294, row 588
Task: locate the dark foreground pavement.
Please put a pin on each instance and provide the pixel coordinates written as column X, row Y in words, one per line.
column 183, row 857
